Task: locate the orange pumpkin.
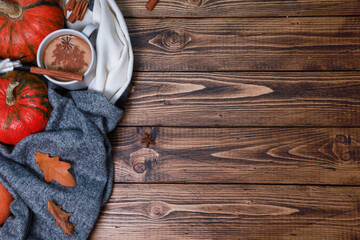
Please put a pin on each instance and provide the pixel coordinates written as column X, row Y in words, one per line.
column 24, row 106
column 25, row 23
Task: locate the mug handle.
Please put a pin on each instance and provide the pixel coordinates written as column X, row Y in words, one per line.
column 89, row 29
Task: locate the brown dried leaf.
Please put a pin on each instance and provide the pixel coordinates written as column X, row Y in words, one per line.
column 54, row 169
column 62, row 218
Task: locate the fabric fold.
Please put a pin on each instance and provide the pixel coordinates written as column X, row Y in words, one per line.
column 113, row 47
column 76, row 132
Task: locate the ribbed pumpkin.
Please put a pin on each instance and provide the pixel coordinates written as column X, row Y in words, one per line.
column 24, row 106
column 24, row 24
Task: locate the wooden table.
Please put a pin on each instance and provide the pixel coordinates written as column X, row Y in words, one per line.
column 255, row 107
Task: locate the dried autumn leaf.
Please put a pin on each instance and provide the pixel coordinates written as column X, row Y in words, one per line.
column 61, row 217
column 54, row 169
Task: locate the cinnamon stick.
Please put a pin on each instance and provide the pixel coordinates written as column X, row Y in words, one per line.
column 84, row 11
column 63, row 8
column 70, row 5
column 78, row 10
column 151, row 4
column 73, row 16
column 81, row 8
column 57, row 73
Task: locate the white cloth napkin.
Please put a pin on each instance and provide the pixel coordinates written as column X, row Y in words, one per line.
column 113, row 48
column 6, row 65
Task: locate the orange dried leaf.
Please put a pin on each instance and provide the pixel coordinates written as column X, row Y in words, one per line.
column 62, row 218
column 54, row 169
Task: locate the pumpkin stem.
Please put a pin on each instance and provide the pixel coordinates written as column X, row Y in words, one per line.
column 13, row 10
column 10, row 99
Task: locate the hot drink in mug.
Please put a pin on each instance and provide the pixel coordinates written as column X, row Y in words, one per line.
column 71, row 51
column 68, row 53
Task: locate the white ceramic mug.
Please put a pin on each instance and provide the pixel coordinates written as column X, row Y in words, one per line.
column 90, row 72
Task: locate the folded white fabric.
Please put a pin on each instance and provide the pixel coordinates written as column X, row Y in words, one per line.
column 6, row 65
column 113, row 48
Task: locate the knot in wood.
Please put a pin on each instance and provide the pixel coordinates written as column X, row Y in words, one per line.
column 196, row 2
column 347, row 156
column 139, row 167
column 342, row 139
column 174, row 41
column 170, row 40
column 157, row 210
column 143, row 160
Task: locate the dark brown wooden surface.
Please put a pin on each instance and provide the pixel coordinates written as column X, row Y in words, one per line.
column 244, row 99
column 246, row 44
column 255, row 110
column 240, row 8
column 230, row 212
column 239, row 155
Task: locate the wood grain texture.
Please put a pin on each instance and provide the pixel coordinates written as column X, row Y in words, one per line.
column 238, row 155
column 244, row 99
column 233, row 44
column 213, row 87
column 240, row 8
column 230, row 212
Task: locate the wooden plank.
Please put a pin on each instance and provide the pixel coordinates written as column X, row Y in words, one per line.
column 238, row 155
column 244, row 99
column 234, row 44
column 230, row 212
column 240, row 8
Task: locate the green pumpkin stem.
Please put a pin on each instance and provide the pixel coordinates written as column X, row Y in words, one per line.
column 10, row 99
column 13, row 10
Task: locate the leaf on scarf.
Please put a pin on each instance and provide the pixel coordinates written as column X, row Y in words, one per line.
column 62, row 218
column 54, row 169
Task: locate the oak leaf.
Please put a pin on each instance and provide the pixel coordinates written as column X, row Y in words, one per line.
column 61, row 217
column 54, row 169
